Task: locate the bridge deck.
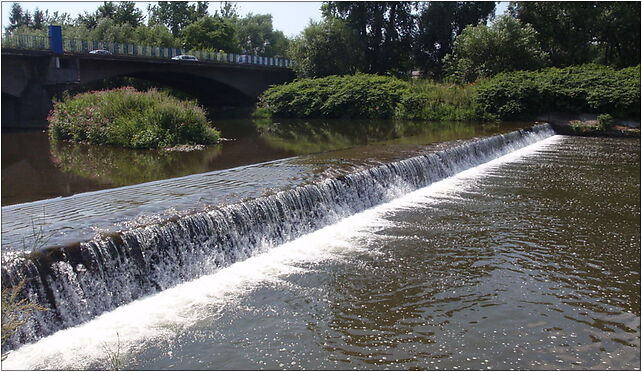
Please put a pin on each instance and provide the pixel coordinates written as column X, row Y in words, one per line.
column 142, row 59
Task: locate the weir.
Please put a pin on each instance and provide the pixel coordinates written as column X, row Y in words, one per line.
column 79, row 281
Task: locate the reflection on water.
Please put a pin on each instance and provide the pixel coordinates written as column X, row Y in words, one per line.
column 114, row 166
column 34, row 169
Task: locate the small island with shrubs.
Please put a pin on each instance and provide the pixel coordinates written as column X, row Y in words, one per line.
column 129, row 118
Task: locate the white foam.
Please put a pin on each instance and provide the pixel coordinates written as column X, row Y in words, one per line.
column 161, row 316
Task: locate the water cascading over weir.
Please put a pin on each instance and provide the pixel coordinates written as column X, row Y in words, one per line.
column 80, row 281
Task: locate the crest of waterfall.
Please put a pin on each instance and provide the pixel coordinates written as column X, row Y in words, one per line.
column 80, row 281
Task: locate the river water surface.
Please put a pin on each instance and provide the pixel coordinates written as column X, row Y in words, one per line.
column 33, row 168
column 531, row 261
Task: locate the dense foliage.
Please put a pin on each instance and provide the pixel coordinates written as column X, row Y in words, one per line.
column 364, row 96
column 511, row 95
column 589, row 88
column 578, row 32
column 257, row 36
column 326, row 48
column 384, row 29
column 428, row 100
column 484, row 51
column 439, row 24
column 129, row 118
column 377, row 37
column 355, row 96
column 211, row 33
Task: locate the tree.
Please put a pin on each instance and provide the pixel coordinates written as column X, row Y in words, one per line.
column 228, row 10
column 57, row 18
column 618, row 33
column 176, row 15
column 38, row 19
column 107, row 10
column 16, row 17
column 484, row 51
column 384, row 28
column 126, row 12
column 327, row 48
column 581, row 32
column 108, row 30
column 156, row 35
column 211, row 33
column 278, row 46
column 257, row 36
column 87, row 20
column 439, row 24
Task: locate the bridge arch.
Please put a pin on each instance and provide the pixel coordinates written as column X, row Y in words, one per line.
column 34, row 77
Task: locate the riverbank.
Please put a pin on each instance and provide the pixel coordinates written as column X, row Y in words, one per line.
column 519, row 95
column 588, row 125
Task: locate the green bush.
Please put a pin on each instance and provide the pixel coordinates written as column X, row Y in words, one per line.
column 605, row 121
column 588, row 88
column 355, row 96
column 128, row 118
column 428, row 100
column 368, row 96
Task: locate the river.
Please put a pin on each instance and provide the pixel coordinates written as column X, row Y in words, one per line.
column 33, row 168
column 527, row 261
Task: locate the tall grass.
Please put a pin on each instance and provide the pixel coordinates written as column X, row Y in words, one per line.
column 430, row 100
column 129, row 118
column 368, row 96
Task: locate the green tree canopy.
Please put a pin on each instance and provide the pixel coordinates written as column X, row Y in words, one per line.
column 585, row 31
column 176, row 15
column 38, row 19
column 384, row 28
column 483, row 51
column 327, row 48
column 16, row 17
column 126, row 12
column 439, row 23
column 211, row 33
column 257, row 36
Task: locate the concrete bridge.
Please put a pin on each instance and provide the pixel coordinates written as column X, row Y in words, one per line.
column 32, row 78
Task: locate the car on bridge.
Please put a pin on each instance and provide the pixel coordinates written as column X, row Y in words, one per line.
column 101, row 52
column 185, row 57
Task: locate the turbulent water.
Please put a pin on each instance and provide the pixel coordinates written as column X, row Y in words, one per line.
column 528, row 261
column 83, row 280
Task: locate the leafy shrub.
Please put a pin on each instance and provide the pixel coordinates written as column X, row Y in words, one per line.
column 428, row 100
column 368, row 96
column 605, row 121
column 128, row 118
column 587, row 88
column 355, row 96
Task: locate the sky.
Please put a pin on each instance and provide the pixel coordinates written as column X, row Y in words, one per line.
column 291, row 17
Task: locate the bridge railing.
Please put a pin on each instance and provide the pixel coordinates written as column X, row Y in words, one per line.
column 22, row 41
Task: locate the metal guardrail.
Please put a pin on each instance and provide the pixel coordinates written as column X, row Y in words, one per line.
column 33, row 42
column 26, row 42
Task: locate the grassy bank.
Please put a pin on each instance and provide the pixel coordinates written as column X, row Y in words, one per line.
column 129, row 118
column 580, row 89
column 507, row 96
column 365, row 96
